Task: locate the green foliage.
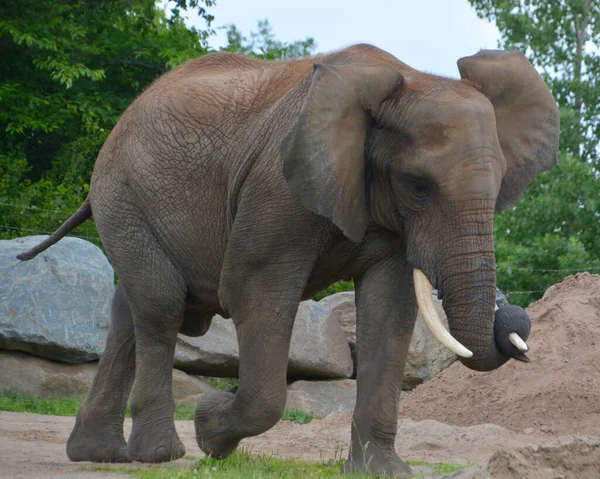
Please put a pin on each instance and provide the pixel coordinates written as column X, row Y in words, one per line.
column 68, row 71
column 559, row 38
column 552, row 232
column 262, row 44
column 338, row 287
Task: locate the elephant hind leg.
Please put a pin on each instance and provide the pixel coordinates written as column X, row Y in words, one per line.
column 98, row 432
column 156, row 292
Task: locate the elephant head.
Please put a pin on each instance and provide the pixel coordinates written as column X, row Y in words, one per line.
column 431, row 159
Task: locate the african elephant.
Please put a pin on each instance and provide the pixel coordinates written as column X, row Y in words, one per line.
column 238, row 187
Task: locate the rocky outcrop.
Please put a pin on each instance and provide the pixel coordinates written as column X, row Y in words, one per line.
column 29, row 375
column 318, row 349
column 188, row 389
column 320, row 398
column 57, row 305
column 426, row 356
column 214, row 354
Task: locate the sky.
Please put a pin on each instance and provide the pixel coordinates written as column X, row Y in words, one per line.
column 430, row 35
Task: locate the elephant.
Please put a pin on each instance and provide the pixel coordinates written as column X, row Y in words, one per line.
column 239, row 187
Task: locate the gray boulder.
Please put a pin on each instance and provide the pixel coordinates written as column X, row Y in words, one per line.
column 214, row 354
column 426, row 356
column 318, row 348
column 188, row 389
column 343, row 310
column 57, row 305
column 320, row 398
column 32, row 376
column 29, row 375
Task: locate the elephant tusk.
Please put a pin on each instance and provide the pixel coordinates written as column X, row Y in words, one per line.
column 431, row 318
column 518, row 343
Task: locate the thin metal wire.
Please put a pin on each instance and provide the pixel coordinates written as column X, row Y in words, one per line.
column 28, row 230
column 34, row 208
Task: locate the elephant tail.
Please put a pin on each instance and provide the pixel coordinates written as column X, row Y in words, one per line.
column 83, row 213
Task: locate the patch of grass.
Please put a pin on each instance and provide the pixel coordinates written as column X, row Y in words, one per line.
column 242, row 465
column 294, row 415
column 441, row 467
column 53, row 406
column 222, row 384
column 66, row 406
column 69, row 406
column 184, row 413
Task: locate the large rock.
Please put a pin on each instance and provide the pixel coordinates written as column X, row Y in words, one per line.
column 343, row 309
column 320, row 398
column 29, row 375
column 318, row 349
column 58, row 304
column 426, row 356
column 188, row 389
column 32, row 376
column 214, row 354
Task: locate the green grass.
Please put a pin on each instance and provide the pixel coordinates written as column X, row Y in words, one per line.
column 68, row 407
column 242, row 465
column 294, row 415
column 222, row 384
column 53, row 406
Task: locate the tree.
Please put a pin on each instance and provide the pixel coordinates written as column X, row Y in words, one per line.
column 559, row 37
column 262, row 44
column 552, row 232
column 555, row 229
column 68, row 70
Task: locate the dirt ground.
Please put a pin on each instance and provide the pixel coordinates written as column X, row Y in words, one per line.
column 537, row 420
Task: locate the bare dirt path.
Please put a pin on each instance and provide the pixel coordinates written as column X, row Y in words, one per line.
column 33, row 446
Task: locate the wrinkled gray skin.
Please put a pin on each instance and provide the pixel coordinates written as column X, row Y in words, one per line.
column 240, row 187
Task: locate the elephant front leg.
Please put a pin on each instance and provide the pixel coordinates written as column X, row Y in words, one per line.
column 264, row 325
column 98, row 432
column 386, row 313
column 262, row 281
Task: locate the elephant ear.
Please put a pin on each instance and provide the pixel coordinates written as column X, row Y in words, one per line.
column 527, row 118
column 323, row 153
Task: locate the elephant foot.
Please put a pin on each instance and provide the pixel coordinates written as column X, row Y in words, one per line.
column 216, row 433
column 377, row 465
column 97, row 446
column 155, row 445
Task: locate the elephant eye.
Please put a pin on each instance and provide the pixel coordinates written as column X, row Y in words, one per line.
column 419, row 187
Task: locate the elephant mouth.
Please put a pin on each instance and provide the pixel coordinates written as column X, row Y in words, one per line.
column 424, row 295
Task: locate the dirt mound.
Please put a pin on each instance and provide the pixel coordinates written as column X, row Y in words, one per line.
column 557, row 393
column 567, row 457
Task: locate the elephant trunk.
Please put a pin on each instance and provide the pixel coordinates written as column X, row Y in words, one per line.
column 469, row 300
column 467, row 284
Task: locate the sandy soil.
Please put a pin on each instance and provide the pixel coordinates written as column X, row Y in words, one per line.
column 537, row 420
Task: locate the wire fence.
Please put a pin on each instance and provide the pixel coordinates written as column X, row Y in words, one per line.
column 31, row 210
